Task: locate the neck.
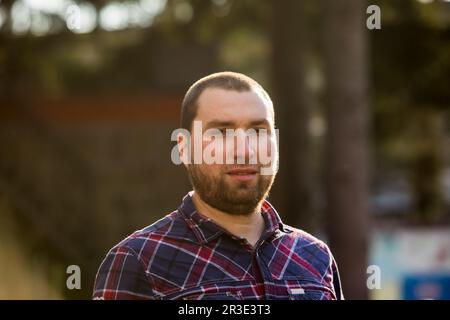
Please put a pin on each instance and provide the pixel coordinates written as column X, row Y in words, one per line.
column 249, row 226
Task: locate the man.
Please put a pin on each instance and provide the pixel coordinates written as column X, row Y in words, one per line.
column 225, row 241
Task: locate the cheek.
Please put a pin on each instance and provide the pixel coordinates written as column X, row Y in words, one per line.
column 215, row 151
column 265, row 148
column 216, row 146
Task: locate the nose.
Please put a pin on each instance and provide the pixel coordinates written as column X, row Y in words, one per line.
column 244, row 147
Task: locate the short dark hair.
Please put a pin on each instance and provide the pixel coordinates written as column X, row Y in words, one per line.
column 224, row 80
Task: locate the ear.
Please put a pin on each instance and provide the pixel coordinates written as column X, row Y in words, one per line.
column 183, row 143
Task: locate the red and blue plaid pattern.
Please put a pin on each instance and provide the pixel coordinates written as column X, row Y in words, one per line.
column 187, row 256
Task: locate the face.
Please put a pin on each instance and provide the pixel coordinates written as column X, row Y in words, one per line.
column 236, row 184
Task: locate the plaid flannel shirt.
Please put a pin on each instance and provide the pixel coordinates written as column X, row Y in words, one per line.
column 187, row 256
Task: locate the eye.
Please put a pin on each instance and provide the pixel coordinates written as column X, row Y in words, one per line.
column 261, row 130
column 227, row 132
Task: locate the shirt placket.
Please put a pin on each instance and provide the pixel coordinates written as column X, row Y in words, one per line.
column 260, row 273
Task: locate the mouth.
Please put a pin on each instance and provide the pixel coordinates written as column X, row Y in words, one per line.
column 242, row 174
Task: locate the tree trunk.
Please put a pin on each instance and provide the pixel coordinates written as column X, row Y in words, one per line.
column 292, row 102
column 347, row 141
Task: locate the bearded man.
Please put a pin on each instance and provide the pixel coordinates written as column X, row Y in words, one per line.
column 225, row 241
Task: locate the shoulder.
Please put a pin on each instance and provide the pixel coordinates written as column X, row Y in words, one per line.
column 144, row 243
column 308, row 245
column 306, row 238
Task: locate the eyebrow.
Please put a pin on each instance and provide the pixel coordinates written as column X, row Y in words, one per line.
column 221, row 123
column 259, row 122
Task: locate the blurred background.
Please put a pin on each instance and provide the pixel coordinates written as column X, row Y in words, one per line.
column 90, row 92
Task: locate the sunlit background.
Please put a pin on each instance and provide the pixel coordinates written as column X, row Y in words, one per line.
column 90, row 92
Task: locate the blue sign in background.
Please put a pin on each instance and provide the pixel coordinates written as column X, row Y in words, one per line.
column 426, row 286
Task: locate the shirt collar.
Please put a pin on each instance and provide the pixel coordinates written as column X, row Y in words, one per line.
column 206, row 229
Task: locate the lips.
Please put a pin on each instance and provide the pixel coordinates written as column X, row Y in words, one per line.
column 242, row 174
column 243, row 171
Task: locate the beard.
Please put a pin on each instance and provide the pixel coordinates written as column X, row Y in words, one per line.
column 232, row 197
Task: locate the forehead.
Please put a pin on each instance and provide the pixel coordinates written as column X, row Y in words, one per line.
column 234, row 106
